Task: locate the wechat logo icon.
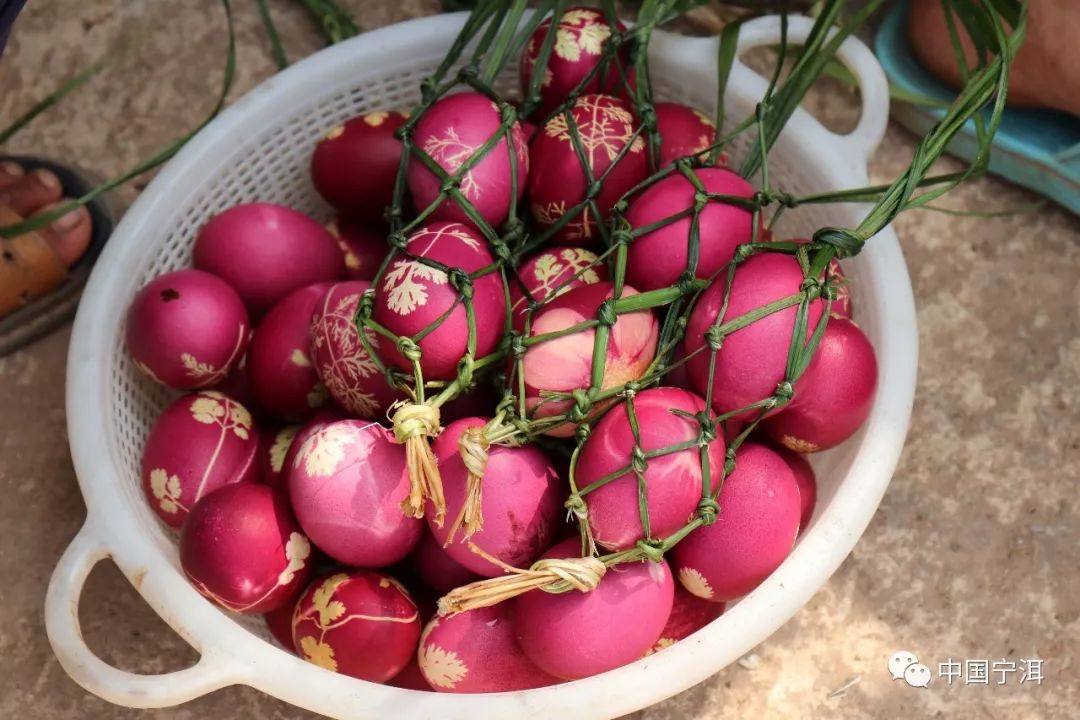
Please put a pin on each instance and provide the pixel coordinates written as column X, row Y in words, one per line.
column 903, row 665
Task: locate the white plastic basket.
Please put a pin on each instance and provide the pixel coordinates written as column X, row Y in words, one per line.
column 258, row 150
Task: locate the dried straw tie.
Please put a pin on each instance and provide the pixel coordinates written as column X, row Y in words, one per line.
column 554, row 575
column 413, row 425
column 473, row 447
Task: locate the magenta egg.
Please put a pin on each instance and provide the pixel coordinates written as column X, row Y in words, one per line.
column 283, row 377
column 577, row 634
column 558, row 182
column 321, row 419
column 804, row 476
column 201, row 442
column 752, row 360
column 362, row 246
column 279, row 623
column 657, row 258
column 446, row 443
column 834, row 395
column 355, row 165
column 349, row 374
column 477, row 652
column 684, row 131
column 241, row 548
column 412, row 296
column 346, row 486
column 411, row 678
column 274, row 444
column 267, row 251
column 842, row 305
column 578, row 48
column 689, row 613
column 673, row 480
column 551, row 273
column 437, row 569
column 754, row 532
column 237, row 386
column 361, row 623
column 451, row 132
column 564, row 364
column 521, row 505
column 187, row 329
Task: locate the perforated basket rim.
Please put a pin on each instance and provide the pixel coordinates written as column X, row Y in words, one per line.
column 117, row 524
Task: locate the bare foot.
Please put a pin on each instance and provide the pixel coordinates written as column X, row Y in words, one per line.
column 37, row 192
column 1045, row 73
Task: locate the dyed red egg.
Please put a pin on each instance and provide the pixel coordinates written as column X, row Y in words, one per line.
column 521, row 505
column 346, row 486
column 187, row 329
column 673, row 480
column 752, row 360
column 241, row 548
column 834, row 395
column 361, row 623
column 201, row 442
column 354, row 167
column 411, row 296
column 564, row 364
column 658, row 258
column 322, row 418
column 267, row 251
column 579, row 44
column 804, row 476
column 279, row 623
column 577, row 634
column 557, row 181
column 476, row 652
column 411, row 678
column 689, row 613
column 274, row 443
column 362, row 247
column 754, row 533
column 834, row 272
column 283, row 377
column 451, row 132
column 347, row 371
column 437, row 569
column 551, row 273
column 684, row 131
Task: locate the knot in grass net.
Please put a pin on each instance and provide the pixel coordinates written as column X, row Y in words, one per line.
column 559, row 247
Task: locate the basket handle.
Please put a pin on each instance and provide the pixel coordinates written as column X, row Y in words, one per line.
column 213, row 671
column 853, row 53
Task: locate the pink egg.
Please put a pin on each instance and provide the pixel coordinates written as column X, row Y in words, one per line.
column 322, row 418
column 657, row 258
column 451, row 132
column 346, row 485
column 673, row 480
column 241, row 548
column 551, row 273
column 564, row 364
column 521, row 505
column 835, row 273
column 361, row 623
column 446, row 443
column 754, row 532
column 267, row 251
column 347, row 371
column 238, row 387
column 804, row 476
column 283, row 378
column 412, row 296
column 577, row 634
column 355, row 165
column 684, row 131
column 437, row 569
column 834, row 395
column 476, row 652
column 579, row 43
column 752, row 360
column 279, row 622
column 689, row 613
column 187, row 329
column 201, row 442
column 363, row 246
column 557, row 181
column 274, row 444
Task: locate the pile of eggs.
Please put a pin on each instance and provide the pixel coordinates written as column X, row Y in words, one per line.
column 285, row 485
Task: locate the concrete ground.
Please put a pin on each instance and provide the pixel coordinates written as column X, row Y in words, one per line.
column 972, row 555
